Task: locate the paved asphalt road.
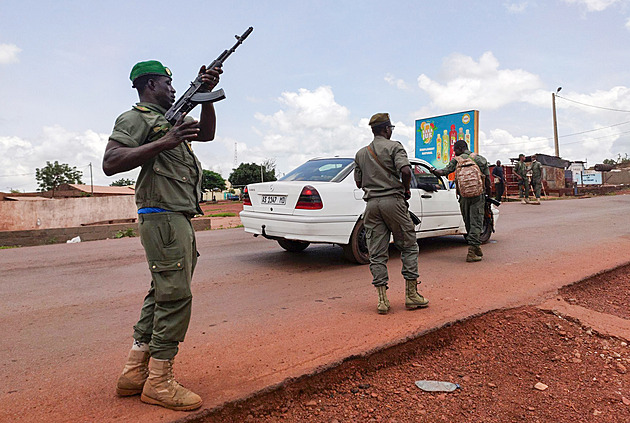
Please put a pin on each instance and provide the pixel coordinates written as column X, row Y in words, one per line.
column 261, row 315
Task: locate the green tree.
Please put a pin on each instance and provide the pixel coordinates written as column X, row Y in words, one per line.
column 250, row 173
column 122, row 182
column 620, row 160
column 54, row 174
column 212, row 180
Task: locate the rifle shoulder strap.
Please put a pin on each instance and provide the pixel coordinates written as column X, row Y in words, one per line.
column 380, row 163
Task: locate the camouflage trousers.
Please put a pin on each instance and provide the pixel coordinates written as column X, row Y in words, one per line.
column 473, row 209
column 523, row 187
column 537, row 187
column 384, row 217
column 170, row 246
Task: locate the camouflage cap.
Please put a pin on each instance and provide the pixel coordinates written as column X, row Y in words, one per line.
column 379, row 119
column 150, row 67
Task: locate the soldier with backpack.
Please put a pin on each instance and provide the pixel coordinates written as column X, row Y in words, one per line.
column 472, row 178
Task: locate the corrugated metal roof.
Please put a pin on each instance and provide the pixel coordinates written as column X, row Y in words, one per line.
column 26, row 198
column 100, row 189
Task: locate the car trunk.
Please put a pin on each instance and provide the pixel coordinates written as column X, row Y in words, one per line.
column 275, row 197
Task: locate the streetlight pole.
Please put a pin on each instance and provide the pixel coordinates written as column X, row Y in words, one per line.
column 555, row 122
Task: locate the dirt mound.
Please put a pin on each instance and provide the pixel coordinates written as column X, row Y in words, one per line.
column 519, row 365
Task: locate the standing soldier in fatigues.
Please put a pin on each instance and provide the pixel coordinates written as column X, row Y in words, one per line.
column 472, row 208
column 520, row 170
column 536, row 169
column 378, row 171
column 167, row 195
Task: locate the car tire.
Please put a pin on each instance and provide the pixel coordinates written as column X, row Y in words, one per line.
column 486, row 231
column 293, row 246
column 356, row 251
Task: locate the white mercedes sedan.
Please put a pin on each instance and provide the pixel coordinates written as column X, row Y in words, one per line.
column 319, row 203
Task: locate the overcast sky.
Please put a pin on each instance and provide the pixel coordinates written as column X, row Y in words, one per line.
column 306, row 81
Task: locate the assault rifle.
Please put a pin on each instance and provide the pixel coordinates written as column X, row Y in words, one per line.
column 195, row 94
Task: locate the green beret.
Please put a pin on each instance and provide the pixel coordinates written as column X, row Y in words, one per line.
column 379, row 119
column 150, row 67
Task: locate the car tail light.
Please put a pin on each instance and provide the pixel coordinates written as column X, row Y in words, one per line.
column 246, row 200
column 309, row 199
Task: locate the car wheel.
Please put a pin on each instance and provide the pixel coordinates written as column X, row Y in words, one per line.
column 356, row 251
column 486, row 231
column 293, row 246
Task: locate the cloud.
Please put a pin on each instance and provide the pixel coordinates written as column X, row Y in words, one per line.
column 479, row 83
column 594, row 5
column 9, row 54
column 628, row 24
column 398, row 83
column 312, row 124
column 20, row 157
column 516, row 8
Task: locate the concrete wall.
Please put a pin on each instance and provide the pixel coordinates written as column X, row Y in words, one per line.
column 64, row 212
column 86, row 233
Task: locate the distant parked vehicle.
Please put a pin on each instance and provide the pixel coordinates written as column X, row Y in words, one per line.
column 319, row 203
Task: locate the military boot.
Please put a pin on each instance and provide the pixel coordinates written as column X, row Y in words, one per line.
column 383, row 302
column 472, row 256
column 414, row 300
column 161, row 388
column 134, row 374
column 478, row 250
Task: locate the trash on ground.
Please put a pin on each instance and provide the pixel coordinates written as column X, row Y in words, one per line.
column 74, row 240
column 436, row 386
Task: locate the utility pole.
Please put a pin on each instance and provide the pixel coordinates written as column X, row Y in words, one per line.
column 555, row 122
column 91, row 181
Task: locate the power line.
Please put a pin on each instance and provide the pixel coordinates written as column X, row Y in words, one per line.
column 596, row 107
column 598, row 138
column 570, row 135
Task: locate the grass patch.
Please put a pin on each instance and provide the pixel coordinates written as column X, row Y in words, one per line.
column 129, row 232
column 6, row 247
column 224, row 214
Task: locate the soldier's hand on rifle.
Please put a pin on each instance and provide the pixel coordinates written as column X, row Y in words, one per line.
column 180, row 132
column 210, row 77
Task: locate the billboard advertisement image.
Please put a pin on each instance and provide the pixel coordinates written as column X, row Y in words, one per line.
column 436, row 135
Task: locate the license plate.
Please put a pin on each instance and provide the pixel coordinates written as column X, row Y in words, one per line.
column 274, row 199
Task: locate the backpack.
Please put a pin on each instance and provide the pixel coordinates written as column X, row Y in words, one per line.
column 468, row 177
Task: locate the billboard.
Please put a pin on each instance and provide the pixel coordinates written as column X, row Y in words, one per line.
column 436, row 135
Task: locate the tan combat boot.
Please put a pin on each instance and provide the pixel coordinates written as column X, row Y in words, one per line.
column 135, row 372
column 383, row 302
column 413, row 300
column 472, row 256
column 478, row 250
column 523, row 201
column 161, row 388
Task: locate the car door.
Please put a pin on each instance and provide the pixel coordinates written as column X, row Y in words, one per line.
column 439, row 209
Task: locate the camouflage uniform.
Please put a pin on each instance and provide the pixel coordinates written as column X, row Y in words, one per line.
column 472, row 208
column 170, row 181
column 520, row 168
column 536, row 169
column 386, row 210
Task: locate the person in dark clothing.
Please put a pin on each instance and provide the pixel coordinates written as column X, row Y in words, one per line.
column 499, row 180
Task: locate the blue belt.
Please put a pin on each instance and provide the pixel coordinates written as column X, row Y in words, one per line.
column 147, row 210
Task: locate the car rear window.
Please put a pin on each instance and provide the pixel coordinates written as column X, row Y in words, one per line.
column 324, row 170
